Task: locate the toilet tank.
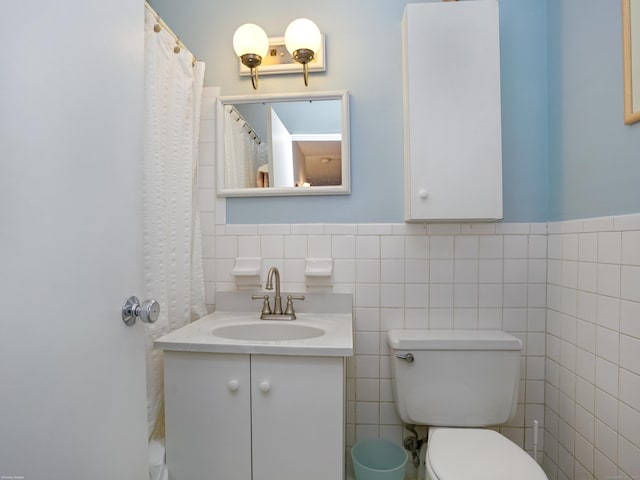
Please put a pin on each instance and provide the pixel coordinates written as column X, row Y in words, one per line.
column 457, row 378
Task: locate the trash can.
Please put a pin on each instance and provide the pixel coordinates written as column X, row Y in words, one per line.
column 378, row 459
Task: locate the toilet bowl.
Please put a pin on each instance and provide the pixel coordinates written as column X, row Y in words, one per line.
column 478, row 454
column 457, row 382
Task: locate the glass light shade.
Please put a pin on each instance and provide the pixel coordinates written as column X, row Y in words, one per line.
column 302, row 33
column 250, row 38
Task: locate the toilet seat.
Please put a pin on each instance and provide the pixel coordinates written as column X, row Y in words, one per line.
column 479, row 454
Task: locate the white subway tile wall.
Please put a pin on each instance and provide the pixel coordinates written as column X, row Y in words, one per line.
column 569, row 290
column 414, row 280
column 592, row 377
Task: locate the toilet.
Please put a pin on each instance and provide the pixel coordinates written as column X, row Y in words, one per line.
column 457, row 382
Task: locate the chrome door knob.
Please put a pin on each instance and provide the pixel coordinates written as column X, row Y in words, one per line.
column 148, row 311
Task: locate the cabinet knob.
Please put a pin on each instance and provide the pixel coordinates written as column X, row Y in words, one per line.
column 265, row 386
column 233, row 385
column 423, row 193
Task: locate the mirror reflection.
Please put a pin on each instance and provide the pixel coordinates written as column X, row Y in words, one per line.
column 283, row 145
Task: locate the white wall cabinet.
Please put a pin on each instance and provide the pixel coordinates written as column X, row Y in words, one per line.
column 254, row 417
column 452, row 118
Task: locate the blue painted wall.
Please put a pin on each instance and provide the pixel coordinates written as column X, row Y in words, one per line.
column 594, row 159
column 320, row 117
column 364, row 56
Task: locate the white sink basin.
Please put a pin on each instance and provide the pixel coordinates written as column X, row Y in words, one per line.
column 324, row 329
column 267, row 331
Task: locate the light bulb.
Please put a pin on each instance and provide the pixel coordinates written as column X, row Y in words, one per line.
column 302, row 34
column 250, row 39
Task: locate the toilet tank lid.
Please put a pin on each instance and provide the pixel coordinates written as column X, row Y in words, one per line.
column 452, row 340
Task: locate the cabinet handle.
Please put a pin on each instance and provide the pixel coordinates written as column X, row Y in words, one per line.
column 233, row 385
column 423, row 193
column 265, row 386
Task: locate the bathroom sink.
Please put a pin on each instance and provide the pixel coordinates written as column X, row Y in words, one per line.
column 323, row 327
column 267, row 331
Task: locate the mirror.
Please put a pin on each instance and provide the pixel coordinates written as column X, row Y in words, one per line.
column 289, row 144
column 631, row 55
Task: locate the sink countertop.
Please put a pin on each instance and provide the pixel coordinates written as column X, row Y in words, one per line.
column 332, row 314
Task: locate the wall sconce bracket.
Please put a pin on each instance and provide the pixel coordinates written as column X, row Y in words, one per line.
column 279, row 61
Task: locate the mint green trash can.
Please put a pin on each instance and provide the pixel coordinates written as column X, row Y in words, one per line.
column 378, row 459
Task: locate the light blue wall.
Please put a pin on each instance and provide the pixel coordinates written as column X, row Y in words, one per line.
column 322, row 117
column 364, row 56
column 523, row 61
column 594, row 158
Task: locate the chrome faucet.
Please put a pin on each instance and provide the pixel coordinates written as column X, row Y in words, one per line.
column 277, row 300
column 276, row 313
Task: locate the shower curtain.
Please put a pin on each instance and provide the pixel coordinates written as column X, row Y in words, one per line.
column 243, row 154
column 172, row 248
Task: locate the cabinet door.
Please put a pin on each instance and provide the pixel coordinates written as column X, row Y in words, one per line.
column 207, row 415
column 453, row 146
column 298, row 417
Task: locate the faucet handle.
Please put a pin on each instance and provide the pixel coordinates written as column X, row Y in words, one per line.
column 266, row 308
column 290, row 298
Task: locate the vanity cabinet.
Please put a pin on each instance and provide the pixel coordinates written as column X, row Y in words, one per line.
column 452, row 118
column 254, row 417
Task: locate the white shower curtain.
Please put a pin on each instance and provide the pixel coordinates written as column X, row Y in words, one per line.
column 245, row 152
column 172, row 246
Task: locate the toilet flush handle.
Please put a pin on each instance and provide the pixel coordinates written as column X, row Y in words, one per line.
column 405, row 356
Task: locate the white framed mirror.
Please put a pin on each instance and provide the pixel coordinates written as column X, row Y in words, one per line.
column 283, row 144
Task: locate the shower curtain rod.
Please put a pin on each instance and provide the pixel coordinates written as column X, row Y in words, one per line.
column 166, row 28
column 245, row 125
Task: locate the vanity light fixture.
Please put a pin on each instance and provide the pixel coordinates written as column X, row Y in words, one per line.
column 303, row 40
column 251, row 44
